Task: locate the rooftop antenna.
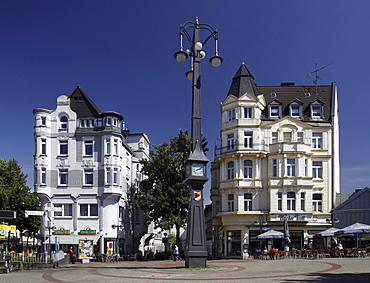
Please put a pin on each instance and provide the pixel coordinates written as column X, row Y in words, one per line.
column 316, row 72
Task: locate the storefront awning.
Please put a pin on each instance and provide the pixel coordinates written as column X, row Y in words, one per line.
column 74, row 239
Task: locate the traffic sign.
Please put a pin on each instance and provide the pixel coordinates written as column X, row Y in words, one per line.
column 8, row 227
column 7, row 214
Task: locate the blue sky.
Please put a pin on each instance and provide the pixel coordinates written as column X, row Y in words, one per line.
column 121, row 54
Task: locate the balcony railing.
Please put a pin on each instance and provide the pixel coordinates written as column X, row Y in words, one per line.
column 240, row 147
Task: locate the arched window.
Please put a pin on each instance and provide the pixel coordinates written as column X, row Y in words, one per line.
column 63, row 123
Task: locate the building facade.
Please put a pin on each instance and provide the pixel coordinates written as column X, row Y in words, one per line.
column 87, row 171
column 278, row 158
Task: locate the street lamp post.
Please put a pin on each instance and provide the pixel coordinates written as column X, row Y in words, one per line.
column 261, row 222
column 114, row 226
column 165, row 240
column 50, row 228
column 196, row 253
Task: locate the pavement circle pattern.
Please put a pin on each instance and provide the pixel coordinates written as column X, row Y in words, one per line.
column 172, row 271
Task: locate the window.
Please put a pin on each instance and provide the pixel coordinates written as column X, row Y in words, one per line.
column 290, row 167
column 217, row 206
column 115, row 146
column 43, row 176
column 274, row 111
column 248, row 112
column 317, row 169
column 303, row 206
column 295, row 111
column 248, row 139
column 230, row 170
column 89, row 177
column 306, row 167
column 63, row 147
column 108, row 121
column 316, row 111
column 230, row 142
column 115, row 176
column 230, row 202
column 280, row 201
column 66, row 210
column 274, row 137
column 107, row 176
column 63, row 177
column 88, row 148
column 107, row 146
column 43, row 146
column 248, row 168
column 232, row 115
column 317, row 202
column 274, row 168
column 287, row 137
column 248, row 202
column 316, row 140
column 43, row 121
column 89, row 210
column 63, row 123
column 300, row 137
column 290, row 201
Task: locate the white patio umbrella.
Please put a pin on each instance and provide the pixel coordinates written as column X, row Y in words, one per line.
column 357, row 228
column 327, row 233
column 271, row 234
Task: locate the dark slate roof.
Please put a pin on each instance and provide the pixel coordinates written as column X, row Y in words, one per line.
column 303, row 95
column 83, row 105
column 243, row 82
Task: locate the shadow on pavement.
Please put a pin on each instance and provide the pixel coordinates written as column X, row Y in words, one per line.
column 334, row 278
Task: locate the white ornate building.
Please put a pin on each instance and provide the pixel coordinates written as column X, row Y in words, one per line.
column 86, row 175
column 278, row 157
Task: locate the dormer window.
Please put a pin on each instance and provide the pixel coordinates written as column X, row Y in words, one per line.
column 274, row 111
column 317, row 110
column 295, row 111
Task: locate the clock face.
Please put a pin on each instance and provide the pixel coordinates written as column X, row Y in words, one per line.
column 197, row 169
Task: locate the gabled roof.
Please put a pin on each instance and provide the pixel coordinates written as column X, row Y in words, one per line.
column 83, row 105
column 243, row 82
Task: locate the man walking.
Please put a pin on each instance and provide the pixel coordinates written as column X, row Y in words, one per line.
column 176, row 253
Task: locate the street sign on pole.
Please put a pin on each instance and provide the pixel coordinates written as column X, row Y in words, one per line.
column 57, row 209
column 33, row 212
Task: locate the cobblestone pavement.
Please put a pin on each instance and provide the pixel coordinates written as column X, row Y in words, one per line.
column 328, row 270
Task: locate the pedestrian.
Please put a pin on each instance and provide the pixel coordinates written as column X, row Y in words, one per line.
column 176, row 253
column 71, row 255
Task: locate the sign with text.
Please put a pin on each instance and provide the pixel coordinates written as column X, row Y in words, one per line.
column 33, row 212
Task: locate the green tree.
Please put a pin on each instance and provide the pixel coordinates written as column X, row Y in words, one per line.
column 164, row 196
column 16, row 195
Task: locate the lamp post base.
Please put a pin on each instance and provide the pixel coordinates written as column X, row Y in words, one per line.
column 195, row 259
